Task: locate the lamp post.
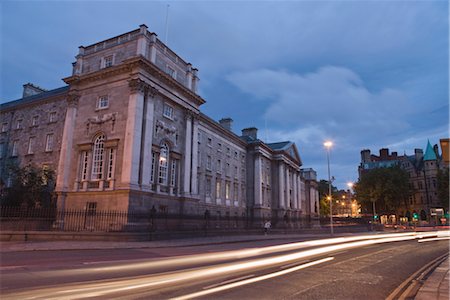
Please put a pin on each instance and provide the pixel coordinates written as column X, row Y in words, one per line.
column 328, row 145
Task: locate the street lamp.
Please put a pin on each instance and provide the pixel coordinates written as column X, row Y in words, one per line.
column 328, row 145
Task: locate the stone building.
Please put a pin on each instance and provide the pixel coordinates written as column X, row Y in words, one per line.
column 422, row 169
column 127, row 134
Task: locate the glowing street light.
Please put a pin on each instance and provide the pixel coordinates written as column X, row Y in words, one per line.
column 328, row 145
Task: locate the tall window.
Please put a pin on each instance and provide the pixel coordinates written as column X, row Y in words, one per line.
column 173, row 173
column 218, row 189
column 208, row 162
column 4, row 127
column 219, row 166
column 52, row 117
column 108, row 61
column 30, row 145
column 49, row 142
column 98, row 157
column 208, row 186
column 34, row 121
column 152, row 174
column 19, row 124
column 163, row 164
column 84, row 165
column 15, row 146
column 111, row 164
column 227, row 190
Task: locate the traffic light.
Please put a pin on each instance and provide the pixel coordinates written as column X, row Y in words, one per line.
column 375, row 217
column 415, row 216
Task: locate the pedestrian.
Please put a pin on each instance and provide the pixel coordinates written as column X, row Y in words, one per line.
column 267, row 226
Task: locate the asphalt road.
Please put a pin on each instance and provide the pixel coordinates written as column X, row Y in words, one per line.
column 345, row 268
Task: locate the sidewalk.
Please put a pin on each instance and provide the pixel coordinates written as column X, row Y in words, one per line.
column 437, row 284
column 198, row 241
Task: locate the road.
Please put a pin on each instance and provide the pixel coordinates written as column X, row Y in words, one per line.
column 354, row 267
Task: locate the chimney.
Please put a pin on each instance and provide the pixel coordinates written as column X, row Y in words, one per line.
column 384, row 154
column 226, row 123
column 436, row 150
column 30, row 89
column 251, row 132
column 365, row 156
column 394, row 155
column 418, row 153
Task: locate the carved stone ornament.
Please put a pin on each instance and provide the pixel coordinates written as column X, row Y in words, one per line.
column 99, row 120
column 72, row 100
column 167, row 129
column 139, row 85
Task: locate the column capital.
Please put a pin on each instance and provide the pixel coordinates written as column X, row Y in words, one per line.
column 72, row 99
column 138, row 85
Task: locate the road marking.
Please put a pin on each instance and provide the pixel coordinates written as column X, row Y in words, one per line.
column 252, row 280
column 294, row 264
column 228, row 281
column 433, row 239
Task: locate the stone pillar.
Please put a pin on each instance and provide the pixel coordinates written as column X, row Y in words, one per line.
column 189, row 76
column 187, row 154
column 142, row 41
column 257, row 182
column 194, row 177
column 146, row 160
column 288, row 187
column 152, row 57
column 281, row 185
column 65, row 156
column 294, row 190
column 133, row 133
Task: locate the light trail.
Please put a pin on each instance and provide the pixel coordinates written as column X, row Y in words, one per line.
column 149, row 282
column 252, row 280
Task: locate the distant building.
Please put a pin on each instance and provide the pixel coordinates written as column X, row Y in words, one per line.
column 422, row 169
column 127, row 134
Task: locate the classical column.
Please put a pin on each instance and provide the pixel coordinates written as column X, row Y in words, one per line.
column 187, row 154
column 148, row 122
column 288, row 187
column 294, row 190
column 65, row 156
column 133, row 133
column 257, row 182
column 299, row 193
column 281, row 185
column 194, row 177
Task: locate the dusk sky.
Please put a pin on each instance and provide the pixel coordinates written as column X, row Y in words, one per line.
column 364, row 74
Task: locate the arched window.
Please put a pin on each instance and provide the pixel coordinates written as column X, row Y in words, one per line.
column 163, row 165
column 98, row 157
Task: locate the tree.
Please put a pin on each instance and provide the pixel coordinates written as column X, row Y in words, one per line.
column 388, row 188
column 442, row 187
column 29, row 186
column 323, row 194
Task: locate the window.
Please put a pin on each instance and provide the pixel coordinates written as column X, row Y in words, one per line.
column 172, row 72
column 209, row 143
column 111, row 164
column 235, row 155
column 163, row 164
column 208, row 162
column 227, row 190
column 173, row 173
column 108, row 61
column 219, row 147
column 152, row 174
column 4, row 127
column 235, row 172
column 84, row 165
column 168, row 111
column 218, row 187
column 227, row 169
column 103, row 102
column 208, row 186
column 228, row 151
column 35, row 121
column 30, row 145
column 2, row 150
column 235, row 192
column 15, row 146
column 19, row 124
column 49, row 143
column 98, row 157
column 52, row 117
column 219, row 166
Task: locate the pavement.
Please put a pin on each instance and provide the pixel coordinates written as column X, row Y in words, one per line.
column 436, row 286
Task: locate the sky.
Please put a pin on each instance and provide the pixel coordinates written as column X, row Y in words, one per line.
column 363, row 74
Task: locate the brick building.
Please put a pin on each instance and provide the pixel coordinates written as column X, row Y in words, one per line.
column 127, row 134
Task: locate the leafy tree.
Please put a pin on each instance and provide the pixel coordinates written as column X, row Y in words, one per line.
column 388, row 188
column 323, row 194
column 30, row 186
column 442, row 187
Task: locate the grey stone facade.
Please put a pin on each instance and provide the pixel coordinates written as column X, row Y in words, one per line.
column 129, row 135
